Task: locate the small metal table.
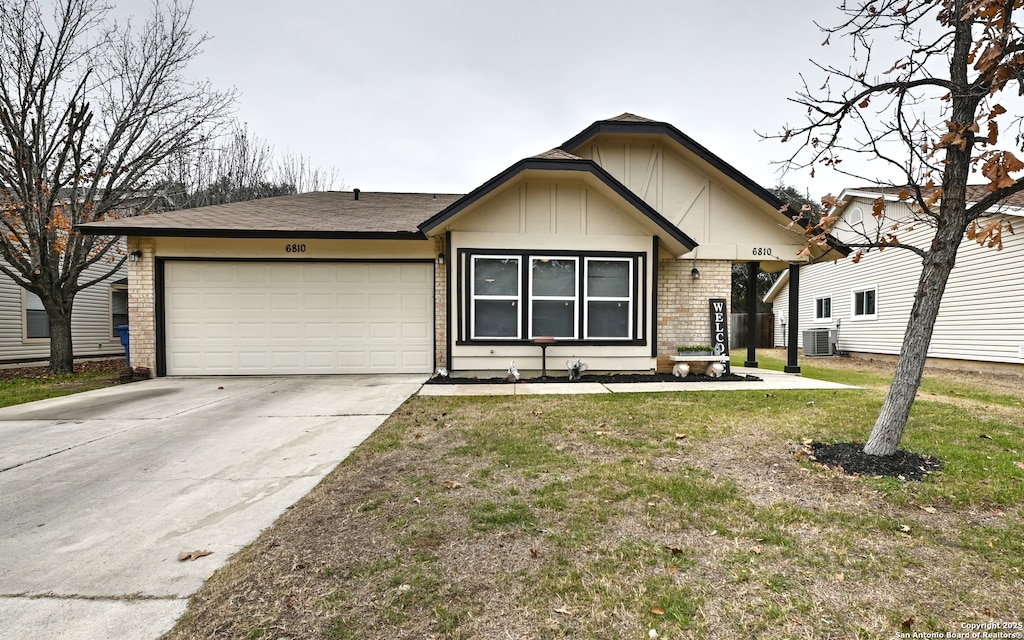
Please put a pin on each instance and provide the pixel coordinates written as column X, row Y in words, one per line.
column 544, row 343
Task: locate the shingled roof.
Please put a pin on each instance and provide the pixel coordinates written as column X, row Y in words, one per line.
column 975, row 193
column 327, row 214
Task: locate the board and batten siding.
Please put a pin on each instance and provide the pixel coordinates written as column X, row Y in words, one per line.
column 981, row 317
column 91, row 328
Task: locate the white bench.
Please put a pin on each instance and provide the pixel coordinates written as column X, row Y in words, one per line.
column 682, row 366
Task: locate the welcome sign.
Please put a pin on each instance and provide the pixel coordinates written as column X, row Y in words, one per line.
column 719, row 328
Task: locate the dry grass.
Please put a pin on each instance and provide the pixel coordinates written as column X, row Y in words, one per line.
column 696, row 515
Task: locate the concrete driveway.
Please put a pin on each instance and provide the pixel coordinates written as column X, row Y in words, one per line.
column 101, row 491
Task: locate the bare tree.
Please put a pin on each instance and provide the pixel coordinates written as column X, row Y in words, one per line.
column 297, row 170
column 932, row 115
column 89, row 110
column 236, row 167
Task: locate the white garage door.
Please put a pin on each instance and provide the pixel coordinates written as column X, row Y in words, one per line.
column 297, row 318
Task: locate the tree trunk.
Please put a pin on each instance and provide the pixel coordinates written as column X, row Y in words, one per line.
column 892, row 419
column 62, row 356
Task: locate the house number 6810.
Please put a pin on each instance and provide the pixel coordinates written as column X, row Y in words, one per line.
column 762, row 251
column 295, row 248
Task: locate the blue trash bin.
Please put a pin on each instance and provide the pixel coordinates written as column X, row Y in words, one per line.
column 122, row 330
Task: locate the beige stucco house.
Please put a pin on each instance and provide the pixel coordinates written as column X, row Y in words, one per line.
column 597, row 244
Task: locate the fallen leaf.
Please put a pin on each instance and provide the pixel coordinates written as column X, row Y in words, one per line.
column 563, row 611
column 756, row 550
column 674, row 550
column 416, row 500
column 658, row 611
column 534, row 553
column 1018, row 464
column 673, row 569
column 452, row 484
column 680, row 436
column 984, row 436
column 840, row 577
column 906, row 624
column 193, row 555
column 929, row 509
column 904, row 528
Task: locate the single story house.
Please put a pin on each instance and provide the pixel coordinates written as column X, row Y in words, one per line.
column 25, row 329
column 613, row 244
column 863, row 308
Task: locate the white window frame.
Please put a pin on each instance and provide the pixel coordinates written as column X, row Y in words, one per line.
column 831, row 304
column 24, row 318
column 853, row 303
column 856, row 216
column 518, row 298
column 575, row 298
column 629, row 299
column 117, row 288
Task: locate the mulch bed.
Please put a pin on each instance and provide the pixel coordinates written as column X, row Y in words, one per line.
column 113, row 366
column 603, row 379
column 849, row 458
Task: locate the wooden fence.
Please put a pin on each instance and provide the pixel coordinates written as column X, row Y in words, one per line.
column 738, row 331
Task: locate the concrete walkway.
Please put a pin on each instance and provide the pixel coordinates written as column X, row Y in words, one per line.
column 100, row 491
column 770, row 380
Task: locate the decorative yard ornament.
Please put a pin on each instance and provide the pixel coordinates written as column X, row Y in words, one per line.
column 576, row 368
column 513, row 372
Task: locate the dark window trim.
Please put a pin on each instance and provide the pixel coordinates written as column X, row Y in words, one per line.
column 464, row 293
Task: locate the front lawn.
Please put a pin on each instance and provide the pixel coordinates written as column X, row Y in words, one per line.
column 669, row 515
column 18, row 386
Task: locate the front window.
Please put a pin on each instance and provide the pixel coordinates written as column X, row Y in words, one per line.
column 823, row 308
column 865, row 304
column 553, row 293
column 565, row 297
column 37, row 323
column 496, row 297
column 609, row 298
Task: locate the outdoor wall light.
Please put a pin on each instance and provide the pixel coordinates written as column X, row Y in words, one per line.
column 135, row 256
column 695, row 273
column 440, row 258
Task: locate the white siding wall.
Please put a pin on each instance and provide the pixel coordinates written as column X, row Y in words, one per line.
column 91, row 322
column 982, row 312
column 780, row 309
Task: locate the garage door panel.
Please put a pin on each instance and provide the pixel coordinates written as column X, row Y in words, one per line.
column 260, row 318
column 383, row 331
column 416, row 359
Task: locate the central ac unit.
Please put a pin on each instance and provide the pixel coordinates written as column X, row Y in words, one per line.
column 818, row 342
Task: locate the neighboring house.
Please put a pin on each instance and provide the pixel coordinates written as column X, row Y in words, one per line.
column 25, row 330
column 613, row 244
column 868, row 304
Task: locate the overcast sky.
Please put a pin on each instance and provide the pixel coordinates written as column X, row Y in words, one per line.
column 406, row 95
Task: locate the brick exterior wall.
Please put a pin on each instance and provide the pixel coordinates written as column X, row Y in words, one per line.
column 683, row 303
column 142, row 305
column 440, row 315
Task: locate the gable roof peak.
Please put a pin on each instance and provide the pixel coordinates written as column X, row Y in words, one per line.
column 630, row 117
column 556, row 154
